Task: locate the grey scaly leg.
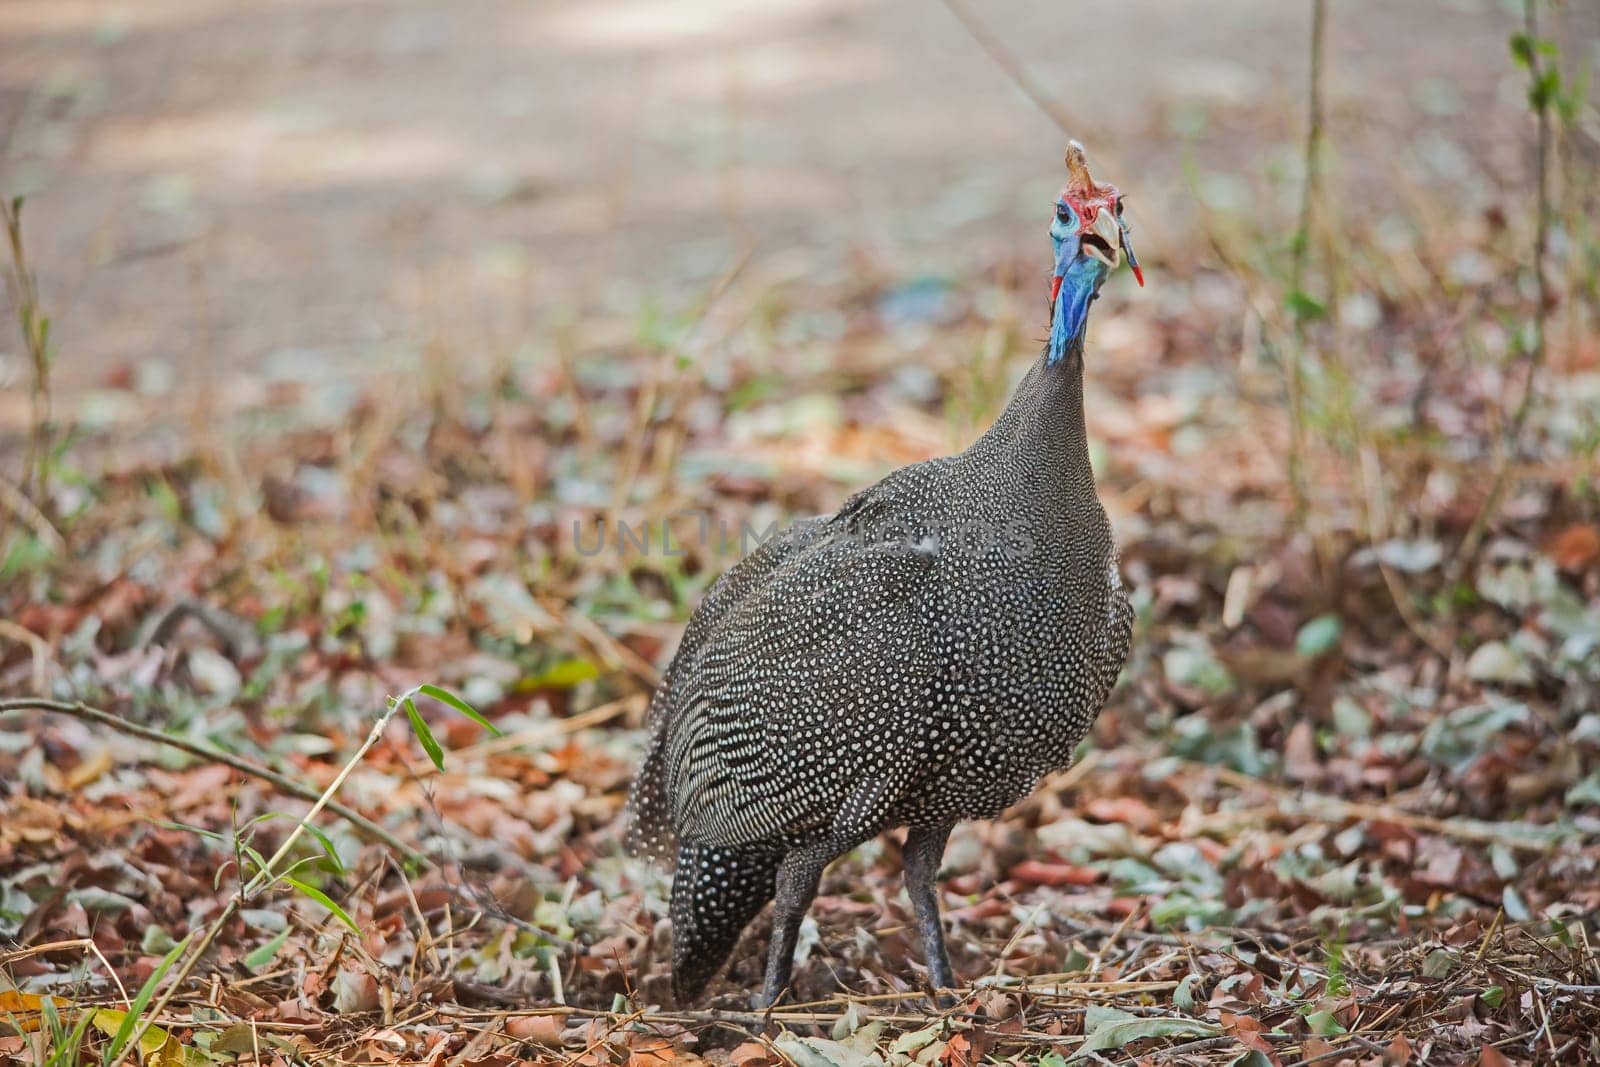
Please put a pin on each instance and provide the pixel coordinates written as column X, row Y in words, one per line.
column 797, row 888
column 923, row 852
column 859, row 818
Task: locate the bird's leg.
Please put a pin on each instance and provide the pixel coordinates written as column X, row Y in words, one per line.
column 924, row 850
column 796, row 888
column 860, row 817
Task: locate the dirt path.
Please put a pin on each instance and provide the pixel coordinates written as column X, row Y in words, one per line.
column 314, row 183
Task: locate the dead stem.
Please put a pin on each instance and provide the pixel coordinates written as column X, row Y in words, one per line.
column 35, row 330
column 1511, row 442
column 1294, row 366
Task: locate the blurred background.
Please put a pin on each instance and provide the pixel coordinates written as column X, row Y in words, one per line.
column 337, row 329
column 218, row 188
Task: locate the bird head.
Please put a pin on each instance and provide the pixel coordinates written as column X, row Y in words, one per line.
column 1090, row 239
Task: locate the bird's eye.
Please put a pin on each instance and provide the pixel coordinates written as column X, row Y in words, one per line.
column 1065, row 215
column 1119, row 207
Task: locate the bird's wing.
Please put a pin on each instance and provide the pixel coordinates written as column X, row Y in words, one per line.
column 650, row 832
column 650, row 829
column 774, row 712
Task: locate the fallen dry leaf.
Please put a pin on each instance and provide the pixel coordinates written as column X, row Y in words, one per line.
column 1489, row 1056
column 1576, row 547
column 1039, row 872
column 752, row 1054
column 540, row 1029
column 1131, row 810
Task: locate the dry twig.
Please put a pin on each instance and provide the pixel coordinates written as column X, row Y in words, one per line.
column 280, row 782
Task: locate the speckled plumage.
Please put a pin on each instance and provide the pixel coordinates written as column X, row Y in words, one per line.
column 923, row 656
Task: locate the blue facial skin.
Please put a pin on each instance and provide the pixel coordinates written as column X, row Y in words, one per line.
column 1081, row 276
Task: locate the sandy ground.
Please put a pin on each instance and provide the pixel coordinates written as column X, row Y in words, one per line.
column 219, row 187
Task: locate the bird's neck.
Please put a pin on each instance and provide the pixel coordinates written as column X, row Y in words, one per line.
column 1042, row 428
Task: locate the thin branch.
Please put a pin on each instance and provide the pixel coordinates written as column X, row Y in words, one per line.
column 283, row 784
column 1017, row 71
column 1512, row 440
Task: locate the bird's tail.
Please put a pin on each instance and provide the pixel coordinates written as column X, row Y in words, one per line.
column 715, row 894
column 649, row 831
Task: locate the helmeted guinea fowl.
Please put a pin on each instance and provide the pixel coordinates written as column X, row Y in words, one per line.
column 923, row 656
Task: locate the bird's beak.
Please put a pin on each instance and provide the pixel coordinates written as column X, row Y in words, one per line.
column 1108, row 230
column 1106, row 241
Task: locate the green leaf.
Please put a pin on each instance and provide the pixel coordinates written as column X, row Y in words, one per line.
column 1319, row 636
column 331, row 853
column 563, row 675
column 327, row 849
column 1521, row 49
column 1323, row 1024
column 1457, row 739
column 1108, row 1028
column 430, row 745
column 909, row 1043
column 1545, row 88
column 1183, row 996
column 1195, row 666
column 255, row 857
column 258, row 959
column 1304, row 307
column 818, row 1051
column 444, row 696
column 124, row 1033
column 1516, row 907
column 1439, row 964
column 156, row 939
column 326, row 901
column 1585, row 792
column 211, row 835
column 1494, row 996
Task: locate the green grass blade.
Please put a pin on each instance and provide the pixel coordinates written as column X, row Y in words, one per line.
column 429, row 744
column 328, row 850
column 326, row 901
column 444, row 696
column 259, row 958
column 142, row 1001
